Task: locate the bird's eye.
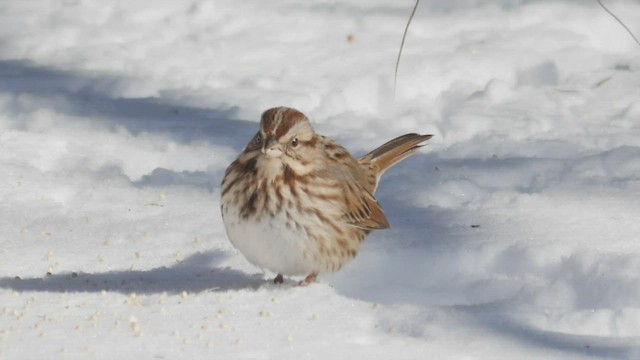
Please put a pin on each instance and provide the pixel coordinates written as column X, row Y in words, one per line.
column 294, row 142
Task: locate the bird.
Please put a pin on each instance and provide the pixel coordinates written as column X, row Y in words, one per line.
column 299, row 204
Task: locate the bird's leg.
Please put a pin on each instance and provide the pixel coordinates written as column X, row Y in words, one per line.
column 279, row 279
column 310, row 279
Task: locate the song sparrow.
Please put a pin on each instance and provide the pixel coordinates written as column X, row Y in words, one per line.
column 297, row 203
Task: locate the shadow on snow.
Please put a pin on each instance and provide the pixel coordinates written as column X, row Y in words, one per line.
column 195, row 274
column 90, row 95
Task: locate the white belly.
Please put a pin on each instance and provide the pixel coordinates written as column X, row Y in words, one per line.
column 270, row 244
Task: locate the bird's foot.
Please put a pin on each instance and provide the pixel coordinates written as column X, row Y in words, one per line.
column 310, row 279
column 279, row 279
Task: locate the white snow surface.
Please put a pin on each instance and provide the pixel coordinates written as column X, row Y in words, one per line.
column 515, row 234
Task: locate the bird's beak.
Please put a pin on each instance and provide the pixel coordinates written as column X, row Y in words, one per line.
column 272, row 148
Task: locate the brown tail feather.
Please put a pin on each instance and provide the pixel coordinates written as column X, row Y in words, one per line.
column 393, row 152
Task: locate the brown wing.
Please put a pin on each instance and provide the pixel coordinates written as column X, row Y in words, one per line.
column 359, row 206
column 364, row 211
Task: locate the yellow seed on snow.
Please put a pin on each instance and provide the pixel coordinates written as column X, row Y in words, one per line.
column 133, row 322
column 133, row 299
column 184, row 294
column 392, row 330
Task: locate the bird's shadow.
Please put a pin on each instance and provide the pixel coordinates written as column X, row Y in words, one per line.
column 196, row 273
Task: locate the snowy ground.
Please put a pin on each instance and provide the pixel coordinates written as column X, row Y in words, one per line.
column 515, row 234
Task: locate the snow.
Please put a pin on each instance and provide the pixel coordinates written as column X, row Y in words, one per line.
column 514, row 234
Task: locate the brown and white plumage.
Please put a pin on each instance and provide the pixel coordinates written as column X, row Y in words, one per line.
column 297, row 203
